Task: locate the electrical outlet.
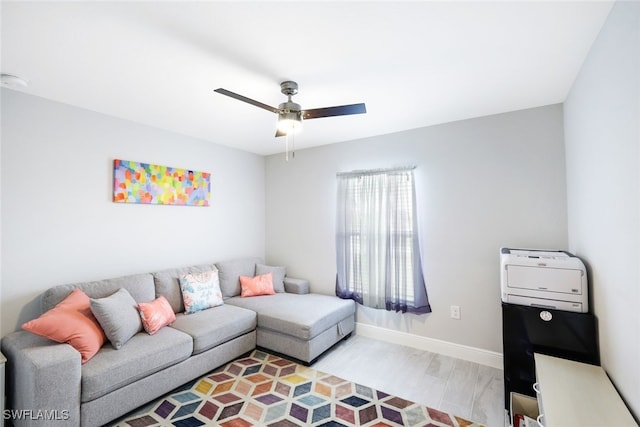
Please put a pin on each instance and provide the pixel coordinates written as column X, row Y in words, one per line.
column 455, row 312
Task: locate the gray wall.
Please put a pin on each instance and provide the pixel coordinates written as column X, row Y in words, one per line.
column 481, row 184
column 602, row 119
column 59, row 224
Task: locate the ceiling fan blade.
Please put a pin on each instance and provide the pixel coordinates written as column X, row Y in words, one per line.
column 280, row 133
column 342, row 110
column 247, row 100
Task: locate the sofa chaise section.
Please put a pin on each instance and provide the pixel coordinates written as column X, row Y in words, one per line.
column 293, row 322
column 302, row 326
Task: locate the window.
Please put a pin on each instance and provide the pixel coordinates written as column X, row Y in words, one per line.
column 378, row 255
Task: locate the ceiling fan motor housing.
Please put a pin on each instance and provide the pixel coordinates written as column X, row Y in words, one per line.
column 289, row 88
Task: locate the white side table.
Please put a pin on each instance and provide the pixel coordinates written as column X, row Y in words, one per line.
column 3, row 360
column 578, row 394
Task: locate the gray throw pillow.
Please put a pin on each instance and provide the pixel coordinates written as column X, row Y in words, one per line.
column 118, row 316
column 278, row 275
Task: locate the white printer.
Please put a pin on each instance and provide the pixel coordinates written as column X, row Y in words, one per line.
column 544, row 278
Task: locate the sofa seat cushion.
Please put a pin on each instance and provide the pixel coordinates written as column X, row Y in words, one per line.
column 301, row 316
column 215, row 325
column 141, row 356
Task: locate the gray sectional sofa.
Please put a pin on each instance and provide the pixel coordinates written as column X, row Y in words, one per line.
column 43, row 375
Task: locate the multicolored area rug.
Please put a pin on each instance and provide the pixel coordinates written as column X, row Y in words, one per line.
column 266, row 390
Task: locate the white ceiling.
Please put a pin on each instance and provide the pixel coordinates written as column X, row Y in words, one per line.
column 413, row 63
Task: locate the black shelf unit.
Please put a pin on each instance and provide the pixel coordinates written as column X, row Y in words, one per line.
column 566, row 334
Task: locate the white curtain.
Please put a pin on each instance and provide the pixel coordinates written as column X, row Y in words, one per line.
column 378, row 255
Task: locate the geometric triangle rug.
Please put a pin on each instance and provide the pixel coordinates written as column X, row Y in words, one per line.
column 266, row 390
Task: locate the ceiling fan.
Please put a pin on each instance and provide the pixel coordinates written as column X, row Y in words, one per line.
column 290, row 114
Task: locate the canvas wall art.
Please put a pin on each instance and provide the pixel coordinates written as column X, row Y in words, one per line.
column 137, row 182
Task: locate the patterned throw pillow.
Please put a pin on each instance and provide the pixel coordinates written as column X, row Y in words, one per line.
column 71, row 322
column 156, row 314
column 258, row 285
column 200, row 291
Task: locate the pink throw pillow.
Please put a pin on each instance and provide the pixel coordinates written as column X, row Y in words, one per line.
column 71, row 322
column 258, row 285
column 156, row 314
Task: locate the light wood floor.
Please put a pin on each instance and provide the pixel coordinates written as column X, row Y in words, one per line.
column 452, row 385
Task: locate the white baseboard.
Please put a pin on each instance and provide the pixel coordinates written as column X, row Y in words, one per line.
column 472, row 354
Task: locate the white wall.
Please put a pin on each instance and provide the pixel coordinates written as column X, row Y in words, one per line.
column 602, row 119
column 59, row 224
column 481, row 184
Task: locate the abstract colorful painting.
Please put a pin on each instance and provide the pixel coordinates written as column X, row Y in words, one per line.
column 136, row 182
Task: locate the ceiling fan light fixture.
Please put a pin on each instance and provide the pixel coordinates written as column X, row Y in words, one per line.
column 289, row 126
column 289, row 120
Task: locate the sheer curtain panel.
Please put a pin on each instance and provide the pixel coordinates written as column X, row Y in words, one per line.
column 378, row 255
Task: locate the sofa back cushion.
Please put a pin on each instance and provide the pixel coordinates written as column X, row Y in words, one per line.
column 140, row 286
column 230, row 272
column 167, row 283
column 278, row 272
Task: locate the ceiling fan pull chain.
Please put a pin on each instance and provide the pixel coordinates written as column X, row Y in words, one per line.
column 286, row 156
